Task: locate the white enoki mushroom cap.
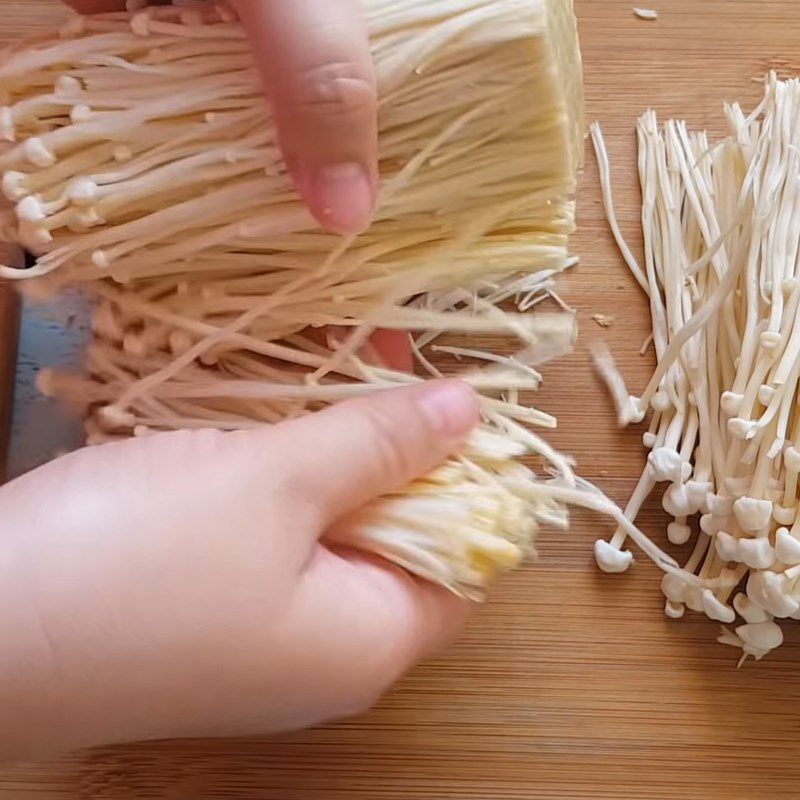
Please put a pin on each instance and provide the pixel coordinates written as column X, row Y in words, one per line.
column 783, row 515
column 748, row 610
column 731, row 402
column 87, row 217
column 67, row 86
column 678, row 532
column 750, row 641
column 674, row 588
column 697, row 494
column 742, row 429
column 36, row 152
column 676, row 501
column 100, row 259
column 751, row 513
column 33, row 236
column 791, row 458
column 611, row 559
column 7, row 130
column 768, row 590
column 82, row 191
column 115, row 417
column 45, row 382
column 787, row 548
column 711, row 524
column 760, row 635
column 765, row 394
column 80, row 113
column 665, row 464
column 674, row 610
column 632, row 413
column 14, row 188
column 727, row 546
column 31, row 209
column 770, row 340
column 660, row 402
column 756, row 553
column 715, row 609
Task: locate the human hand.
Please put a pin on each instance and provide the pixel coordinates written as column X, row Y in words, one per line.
column 176, row 585
column 316, row 64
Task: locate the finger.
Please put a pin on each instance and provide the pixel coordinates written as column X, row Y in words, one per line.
column 369, row 623
column 354, row 452
column 318, row 72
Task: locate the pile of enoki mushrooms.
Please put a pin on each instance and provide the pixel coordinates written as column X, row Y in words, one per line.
column 722, row 274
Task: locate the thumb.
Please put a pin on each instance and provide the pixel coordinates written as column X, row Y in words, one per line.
column 353, row 452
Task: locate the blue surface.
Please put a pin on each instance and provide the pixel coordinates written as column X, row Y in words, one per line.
column 50, row 336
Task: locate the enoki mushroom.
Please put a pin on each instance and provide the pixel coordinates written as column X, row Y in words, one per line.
column 144, row 168
column 721, row 248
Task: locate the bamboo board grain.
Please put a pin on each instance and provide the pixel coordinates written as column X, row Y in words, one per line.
column 570, row 684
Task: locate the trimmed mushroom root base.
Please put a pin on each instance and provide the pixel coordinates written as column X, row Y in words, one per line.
column 722, row 273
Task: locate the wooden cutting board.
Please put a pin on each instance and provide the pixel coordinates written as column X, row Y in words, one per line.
column 570, row 684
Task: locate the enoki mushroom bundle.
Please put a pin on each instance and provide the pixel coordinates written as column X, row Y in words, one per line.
column 144, row 168
column 722, row 273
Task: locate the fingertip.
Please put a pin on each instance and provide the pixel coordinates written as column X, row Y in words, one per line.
column 340, row 196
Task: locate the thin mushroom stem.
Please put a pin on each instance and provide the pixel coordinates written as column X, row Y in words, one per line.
column 604, row 166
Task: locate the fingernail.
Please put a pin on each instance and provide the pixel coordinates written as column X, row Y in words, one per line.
column 342, row 198
column 451, row 407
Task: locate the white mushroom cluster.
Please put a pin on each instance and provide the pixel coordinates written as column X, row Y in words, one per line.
column 722, row 273
column 144, row 168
